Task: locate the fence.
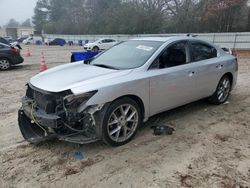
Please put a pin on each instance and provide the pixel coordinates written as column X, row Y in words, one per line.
column 229, row 40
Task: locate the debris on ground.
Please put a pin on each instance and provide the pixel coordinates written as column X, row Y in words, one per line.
column 222, row 138
column 78, row 155
column 88, row 162
column 163, row 130
column 184, row 179
column 71, row 171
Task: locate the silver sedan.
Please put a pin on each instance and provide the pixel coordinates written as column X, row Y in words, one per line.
column 120, row 89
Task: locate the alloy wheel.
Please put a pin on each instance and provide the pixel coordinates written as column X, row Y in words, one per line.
column 224, row 89
column 122, row 123
column 4, row 64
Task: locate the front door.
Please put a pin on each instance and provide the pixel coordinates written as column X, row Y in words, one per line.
column 171, row 79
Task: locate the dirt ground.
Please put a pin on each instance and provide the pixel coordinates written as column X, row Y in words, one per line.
column 209, row 148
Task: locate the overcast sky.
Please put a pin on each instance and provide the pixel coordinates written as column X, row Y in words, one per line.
column 20, row 10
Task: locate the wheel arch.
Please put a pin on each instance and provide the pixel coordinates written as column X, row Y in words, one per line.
column 9, row 59
column 95, row 47
column 138, row 100
column 230, row 75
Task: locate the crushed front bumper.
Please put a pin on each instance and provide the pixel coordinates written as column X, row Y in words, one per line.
column 42, row 118
column 36, row 126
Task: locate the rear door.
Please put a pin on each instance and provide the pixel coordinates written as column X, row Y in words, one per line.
column 207, row 68
column 102, row 44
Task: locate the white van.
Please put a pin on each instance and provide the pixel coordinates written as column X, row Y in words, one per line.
column 32, row 40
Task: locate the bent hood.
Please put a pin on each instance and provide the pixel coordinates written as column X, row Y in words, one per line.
column 68, row 76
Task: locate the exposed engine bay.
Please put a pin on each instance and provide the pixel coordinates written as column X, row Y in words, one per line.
column 63, row 115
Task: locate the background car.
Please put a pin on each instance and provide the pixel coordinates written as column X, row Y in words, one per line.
column 57, row 42
column 21, row 39
column 32, row 40
column 101, row 44
column 9, row 56
column 13, row 43
column 9, row 39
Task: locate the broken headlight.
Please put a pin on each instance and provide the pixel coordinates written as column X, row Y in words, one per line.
column 74, row 101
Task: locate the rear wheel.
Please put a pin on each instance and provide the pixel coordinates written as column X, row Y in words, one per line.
column 121, row 122
column 4, row 64
column 222, row 92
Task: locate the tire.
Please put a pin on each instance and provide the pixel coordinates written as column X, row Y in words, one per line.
column 95, row 49
column 119, row 119
column 222, row 92
column 5, row 64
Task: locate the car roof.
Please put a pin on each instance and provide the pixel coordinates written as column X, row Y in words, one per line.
column 165, row 39
column 105, row 39
column 175, row 38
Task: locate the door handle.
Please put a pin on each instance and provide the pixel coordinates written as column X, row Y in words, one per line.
column 191, row 73
column 219, row 66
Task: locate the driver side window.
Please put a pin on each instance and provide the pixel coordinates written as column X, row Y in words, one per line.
column 174, row 55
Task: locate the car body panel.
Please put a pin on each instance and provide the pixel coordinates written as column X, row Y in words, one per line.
column 159, row 90
column 170, row 88
column 81, row 75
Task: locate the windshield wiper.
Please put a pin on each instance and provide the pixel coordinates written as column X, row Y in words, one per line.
column 105, row 66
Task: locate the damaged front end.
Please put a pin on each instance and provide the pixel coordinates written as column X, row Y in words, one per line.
column 63, row 115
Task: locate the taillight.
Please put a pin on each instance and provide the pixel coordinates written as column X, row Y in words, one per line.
column 15, row 51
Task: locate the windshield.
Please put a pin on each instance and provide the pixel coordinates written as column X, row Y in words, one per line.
column 127, row 55
column 96, row 41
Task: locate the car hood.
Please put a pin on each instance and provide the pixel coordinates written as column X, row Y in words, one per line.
column 90, row 44
column 70, row 76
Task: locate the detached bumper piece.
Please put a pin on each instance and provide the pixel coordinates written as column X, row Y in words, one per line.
column 35, row 134
column 30, row 131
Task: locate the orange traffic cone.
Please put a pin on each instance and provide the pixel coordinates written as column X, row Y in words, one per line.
column 43, row 66
column 28, row 54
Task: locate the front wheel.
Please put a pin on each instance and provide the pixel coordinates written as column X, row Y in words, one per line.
column 95, row 49
column 121, row 122
column 222, row 92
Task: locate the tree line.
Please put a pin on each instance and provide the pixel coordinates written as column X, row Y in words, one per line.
column 13, row 23
column 141, row 16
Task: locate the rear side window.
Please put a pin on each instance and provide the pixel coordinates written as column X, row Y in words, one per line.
column 201, row 51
